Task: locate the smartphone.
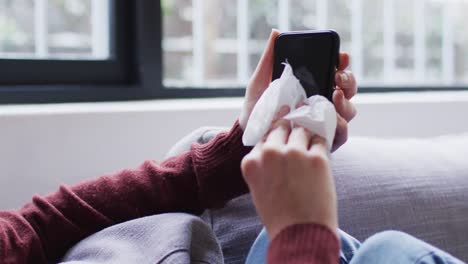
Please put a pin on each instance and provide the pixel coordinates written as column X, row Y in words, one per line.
column 313, row 56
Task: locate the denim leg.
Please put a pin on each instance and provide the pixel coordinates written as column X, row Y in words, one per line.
column 259, row 249
column 349, row 247
column 391, row 247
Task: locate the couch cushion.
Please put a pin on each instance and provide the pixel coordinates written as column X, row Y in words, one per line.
column 419, row 186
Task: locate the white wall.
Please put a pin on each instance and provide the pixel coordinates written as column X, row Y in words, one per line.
column 42, row 146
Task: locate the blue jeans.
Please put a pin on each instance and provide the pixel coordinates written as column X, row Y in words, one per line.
column 388, row 247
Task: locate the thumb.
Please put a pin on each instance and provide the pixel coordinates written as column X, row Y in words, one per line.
column 262, row 75
column 260, row 79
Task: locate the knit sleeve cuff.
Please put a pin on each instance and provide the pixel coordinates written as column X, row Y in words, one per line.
column 304, row 243
column 217, row 167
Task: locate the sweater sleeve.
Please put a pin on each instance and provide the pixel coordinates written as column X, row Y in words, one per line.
column 206, row 176
column 304, row 243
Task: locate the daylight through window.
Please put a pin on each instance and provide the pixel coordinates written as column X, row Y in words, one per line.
column 54, row 29
column 211, row 43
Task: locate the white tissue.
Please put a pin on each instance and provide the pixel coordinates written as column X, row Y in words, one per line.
column 318, row 115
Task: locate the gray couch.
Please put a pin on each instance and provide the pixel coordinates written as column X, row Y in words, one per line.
column 419, row 186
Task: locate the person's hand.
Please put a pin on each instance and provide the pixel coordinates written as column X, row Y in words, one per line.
column 290, row 180
column 260, row 79
column 346, row 88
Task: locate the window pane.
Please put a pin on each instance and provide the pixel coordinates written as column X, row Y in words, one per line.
column 54, row 29
column 373, row 50
column 177, row 42
column 461, row 44
column 404, row 42
column 69, row 27
column 305, row 14
column 220, row 42
column 200, row 42
column 338, row 18
column 17, row 29
column 434, row 10
column 262, row 17
column 209, row 43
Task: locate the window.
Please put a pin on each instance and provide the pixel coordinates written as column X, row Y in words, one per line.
column 393, row 43
column 59, row 29
column 58, row 41
column 65, row 50
column 94, row 50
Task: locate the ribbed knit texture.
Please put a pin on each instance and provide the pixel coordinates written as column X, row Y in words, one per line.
column 304, row 243
column 228, row 151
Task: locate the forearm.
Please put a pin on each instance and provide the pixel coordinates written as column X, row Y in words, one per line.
column 206, row 176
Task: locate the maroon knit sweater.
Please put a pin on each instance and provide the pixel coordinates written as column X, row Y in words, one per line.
column 205, row 177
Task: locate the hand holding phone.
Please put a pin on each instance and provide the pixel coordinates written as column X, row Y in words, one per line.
column 313, row 56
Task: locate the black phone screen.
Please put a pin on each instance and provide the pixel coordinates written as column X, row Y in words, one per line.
column 313, row 56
